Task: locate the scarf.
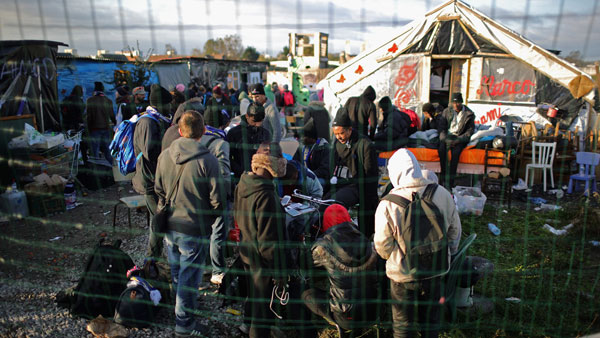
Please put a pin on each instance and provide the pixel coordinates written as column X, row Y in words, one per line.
column 150, row 110
column 214, row 132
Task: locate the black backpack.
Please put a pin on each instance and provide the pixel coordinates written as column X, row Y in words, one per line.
column 424, row 234
column 135, row 308
column 103, row 281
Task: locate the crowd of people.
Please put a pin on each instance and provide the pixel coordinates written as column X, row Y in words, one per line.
column 215, row 176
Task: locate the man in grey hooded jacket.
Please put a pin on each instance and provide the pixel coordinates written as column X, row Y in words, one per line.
column 407, row 178
column 197, row 200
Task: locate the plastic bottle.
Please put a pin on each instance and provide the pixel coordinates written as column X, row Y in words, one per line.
column 14, row 202
column 494, row 229
column 70, row 195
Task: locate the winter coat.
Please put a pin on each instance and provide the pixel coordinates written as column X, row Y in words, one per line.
column 406, row 178
column 147, row 140
column 316, row 110
column 361, row 160
column 217, row 146
column 392, row 133
column 351, row 264
column 307, row 183
column 362, row 112
column 198, row 198
column 272, row 122
column 213, row 106
column 466, row 126
column 261, row 219
column 437, row 122
column 244, row 140
column 72, row 109
column 316, row 158
column 100, row 114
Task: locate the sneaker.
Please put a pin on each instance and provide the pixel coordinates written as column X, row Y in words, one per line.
column 217, row 278
column 244, row 329
column 203, row 286
column 198, row 330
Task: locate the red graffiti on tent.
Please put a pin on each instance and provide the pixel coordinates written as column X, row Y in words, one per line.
column 406, row 74
column 491, row 88
column 490, row 116
column 403, row 96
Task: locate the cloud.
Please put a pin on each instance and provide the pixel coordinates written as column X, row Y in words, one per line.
column 265, row 24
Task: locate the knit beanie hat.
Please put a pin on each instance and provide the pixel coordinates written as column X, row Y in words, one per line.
column 310, row 129
column 159, row 96
column 335, row 214
column 342, row 119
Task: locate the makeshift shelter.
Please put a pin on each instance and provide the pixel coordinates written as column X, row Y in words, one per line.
column 84, row 71
column 28, row 81
column 456, row 48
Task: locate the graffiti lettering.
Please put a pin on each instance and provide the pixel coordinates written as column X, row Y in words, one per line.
column 405, row 75
column 14, row 68
column 403, row 96
column 490, row 116
column 490, row 88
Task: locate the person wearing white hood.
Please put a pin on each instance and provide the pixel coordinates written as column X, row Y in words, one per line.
column 408, row 289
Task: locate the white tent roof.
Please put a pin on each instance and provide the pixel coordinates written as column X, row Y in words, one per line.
column 368, row 62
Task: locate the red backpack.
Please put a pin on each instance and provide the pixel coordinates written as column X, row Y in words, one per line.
column 288, row 99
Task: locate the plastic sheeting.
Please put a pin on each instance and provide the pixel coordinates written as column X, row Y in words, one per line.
column 28, row 75
column 551, row 92
column 172, row 74
column 73, row 72
column 507, row 80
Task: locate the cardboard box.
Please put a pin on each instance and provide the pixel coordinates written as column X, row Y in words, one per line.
column 43, row 183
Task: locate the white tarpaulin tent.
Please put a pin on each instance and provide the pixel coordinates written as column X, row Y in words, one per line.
column 456, row 48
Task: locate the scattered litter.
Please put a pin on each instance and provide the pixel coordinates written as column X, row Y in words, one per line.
column 505, row 211
column 521, row 185
column 54, row 239
column 78, row 204
column 513, row 300
column 106, row 213
column 494, row 229
column 558, row 192
column 233, row 312
column 537, row 208
column 560, row 232
column 550, row 207
column 585, row 294
column 595, row 243
column 131, row 191
column 564, row 187
column 537, row 200
column 103, row 234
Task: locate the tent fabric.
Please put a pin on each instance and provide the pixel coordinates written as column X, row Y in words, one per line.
column 551, row 92
column 29, row 75
column 172, row 74
column 343, row 78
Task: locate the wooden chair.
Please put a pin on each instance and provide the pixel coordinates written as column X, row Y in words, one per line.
column 496, row 185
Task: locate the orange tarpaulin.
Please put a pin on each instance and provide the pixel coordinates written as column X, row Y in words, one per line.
column 470, row 155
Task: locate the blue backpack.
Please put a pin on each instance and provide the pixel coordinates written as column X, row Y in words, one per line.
column 121, row 147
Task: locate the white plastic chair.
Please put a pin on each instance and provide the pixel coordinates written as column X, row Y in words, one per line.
column 542, row 157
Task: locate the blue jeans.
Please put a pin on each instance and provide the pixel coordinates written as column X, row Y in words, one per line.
column 100, row 140
column 217, row 242
column 186, row 256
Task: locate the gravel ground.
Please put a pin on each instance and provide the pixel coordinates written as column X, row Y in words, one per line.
column 33, row 269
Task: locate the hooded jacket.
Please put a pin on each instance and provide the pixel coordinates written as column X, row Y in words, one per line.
column 244, row 140
column 406, row 178
column 393, row 131
column 351, row 263
column 272, row 122
column 198, row 198
column 316, row 110
column 261, row 219
column 315, row 157
column 147, row 140
column 217, row 146
column 362, row 112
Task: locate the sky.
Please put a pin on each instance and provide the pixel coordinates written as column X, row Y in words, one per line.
column 89, row 25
